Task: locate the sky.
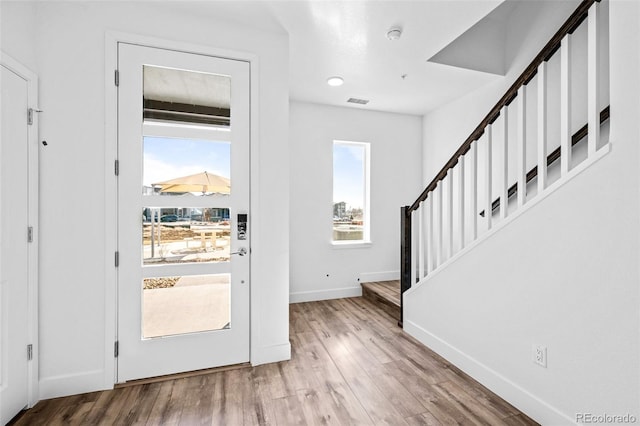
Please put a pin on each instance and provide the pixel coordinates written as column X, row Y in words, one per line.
column 170, row 158
column 348, row 175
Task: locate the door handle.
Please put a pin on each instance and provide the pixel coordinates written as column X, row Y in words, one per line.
column 241, row 251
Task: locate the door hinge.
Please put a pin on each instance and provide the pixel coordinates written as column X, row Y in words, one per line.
column 116, row 349
column 30, row 113
column 29, row 352
column 30, row 234
column 117, row 259
column 117, row 78
column 116, row 167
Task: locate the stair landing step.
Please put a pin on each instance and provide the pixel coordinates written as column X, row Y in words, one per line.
column 385, row 294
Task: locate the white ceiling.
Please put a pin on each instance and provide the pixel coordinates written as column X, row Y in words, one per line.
column 348, row 38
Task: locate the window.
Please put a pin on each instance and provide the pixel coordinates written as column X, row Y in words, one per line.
column 350, row 192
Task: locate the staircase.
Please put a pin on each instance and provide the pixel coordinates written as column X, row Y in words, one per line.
column 385, row 295
column 492, row 178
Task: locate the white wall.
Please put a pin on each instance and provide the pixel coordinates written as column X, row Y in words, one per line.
column 75, row 317
column 319, row 270
column 564, row 275
column 17, row 32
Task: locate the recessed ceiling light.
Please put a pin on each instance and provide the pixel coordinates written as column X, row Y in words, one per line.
column 335, row 81
column 394, row 33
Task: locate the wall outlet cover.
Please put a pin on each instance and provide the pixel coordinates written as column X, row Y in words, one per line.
column 539, row 354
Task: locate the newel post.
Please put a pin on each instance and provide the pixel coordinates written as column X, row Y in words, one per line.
column 405, row 256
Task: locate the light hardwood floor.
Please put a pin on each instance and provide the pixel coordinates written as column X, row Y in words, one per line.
column 350, row 365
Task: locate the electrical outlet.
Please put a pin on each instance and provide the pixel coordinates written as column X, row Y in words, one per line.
column 540, row 355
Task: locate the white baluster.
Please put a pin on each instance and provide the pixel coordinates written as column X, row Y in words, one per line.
column 473, row 157
column 449, row 210
column 414, row 245
column 430, row 248
column 504, row 172
column 461, row 210
column 421, row 228
column 522, row 145
column 542, row 127
column 488, row 172
column 593, row 89
column 565, row 105
column 439, row 223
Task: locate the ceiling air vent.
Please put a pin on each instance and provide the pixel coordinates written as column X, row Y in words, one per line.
column 357, row 101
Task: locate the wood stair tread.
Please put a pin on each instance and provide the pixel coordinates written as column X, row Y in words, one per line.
column 385, row 294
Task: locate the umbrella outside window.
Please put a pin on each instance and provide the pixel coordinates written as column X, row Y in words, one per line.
column 205, row 183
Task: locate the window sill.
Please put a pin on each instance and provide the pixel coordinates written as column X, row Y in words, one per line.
column 351, row 244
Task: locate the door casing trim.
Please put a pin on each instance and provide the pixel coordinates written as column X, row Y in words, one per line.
column 112, row 39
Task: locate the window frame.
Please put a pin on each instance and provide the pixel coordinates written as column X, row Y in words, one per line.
column 366, row 214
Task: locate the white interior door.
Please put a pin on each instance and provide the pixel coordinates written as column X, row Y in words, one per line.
column 14, row 245
column 183, row 204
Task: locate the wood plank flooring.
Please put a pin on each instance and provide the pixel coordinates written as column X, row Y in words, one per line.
column 351, row 365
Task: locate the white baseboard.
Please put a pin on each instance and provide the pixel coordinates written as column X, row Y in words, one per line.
column 534, row 407
column 72, row 384
column 91, row 381
column 334, row 293
column 369, row 277
column 270, row 354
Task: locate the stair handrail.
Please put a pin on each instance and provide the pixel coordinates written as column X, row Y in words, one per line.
column 578, row 16
column 570, row 25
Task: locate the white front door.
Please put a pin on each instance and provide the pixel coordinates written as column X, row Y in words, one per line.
column 14, row 246
column 183, row 208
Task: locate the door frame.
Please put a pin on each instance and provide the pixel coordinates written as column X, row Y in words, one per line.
column 112, row 38
column 33, row 385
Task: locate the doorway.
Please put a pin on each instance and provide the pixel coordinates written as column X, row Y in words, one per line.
column 183, row 207
column 18, row 230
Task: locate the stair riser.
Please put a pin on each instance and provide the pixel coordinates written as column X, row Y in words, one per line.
column 389, row 307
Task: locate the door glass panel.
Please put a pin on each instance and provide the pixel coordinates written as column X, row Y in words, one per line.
column 187, row 304
column 181, row 166
column 185, row 235
column 177, row 166
column 186, row 97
